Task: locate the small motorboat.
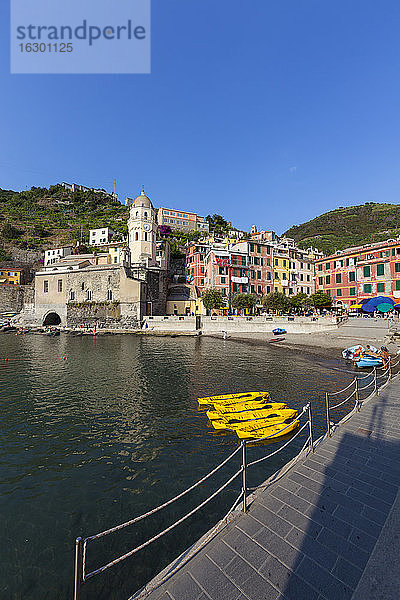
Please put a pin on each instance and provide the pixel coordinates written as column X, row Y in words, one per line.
column 368, row 361
column 352, row 352
column 279, row 331
column 280, row 339
column 229, row 397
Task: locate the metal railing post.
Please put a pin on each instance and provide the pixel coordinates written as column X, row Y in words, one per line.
column 328, row 418
column 357, row 395
column 78, row 568
column 390, row 369
column 310, row 426
column 376, row 381
column 244, row 473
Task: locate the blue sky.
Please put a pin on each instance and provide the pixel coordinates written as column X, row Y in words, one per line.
column 266, row 112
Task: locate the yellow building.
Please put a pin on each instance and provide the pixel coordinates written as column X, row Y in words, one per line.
column 281, row 272
column 12, row 276
column 119, row 253
column 183, row 299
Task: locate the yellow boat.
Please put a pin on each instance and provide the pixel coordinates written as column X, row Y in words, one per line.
column 228, row 397
column 239, row 406
column 273, row 418
column 272, row 431
column 245, row 413
column 256, row 415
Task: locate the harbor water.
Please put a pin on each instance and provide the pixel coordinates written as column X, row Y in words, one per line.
column 97, row 430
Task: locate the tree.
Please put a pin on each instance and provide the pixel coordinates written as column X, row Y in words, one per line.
column 321, row 300
column 217, row 223
column 212, row 298
column 300, row 300
column 9, row 232
column 277, row 301
column 242, row 301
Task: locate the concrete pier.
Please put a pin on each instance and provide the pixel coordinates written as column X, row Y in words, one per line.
column 329, row 529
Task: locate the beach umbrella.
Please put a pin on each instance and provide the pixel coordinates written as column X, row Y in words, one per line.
column 384, row 307
column 368, row 308
column 373, row 303
column 380, row 300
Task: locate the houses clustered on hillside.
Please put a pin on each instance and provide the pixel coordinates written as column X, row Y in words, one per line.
column 123, row 280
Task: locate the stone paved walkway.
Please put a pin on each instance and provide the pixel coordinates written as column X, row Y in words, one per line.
column 328, row 530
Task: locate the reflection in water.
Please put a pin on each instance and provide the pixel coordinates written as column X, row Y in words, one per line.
column 97, row 430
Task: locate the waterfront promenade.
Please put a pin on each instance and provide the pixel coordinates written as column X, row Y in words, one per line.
column 328, row 529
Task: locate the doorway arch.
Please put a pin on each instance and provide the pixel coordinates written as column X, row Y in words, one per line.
column 52, row 318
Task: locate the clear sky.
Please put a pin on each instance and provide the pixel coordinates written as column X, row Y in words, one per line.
column 267, row 112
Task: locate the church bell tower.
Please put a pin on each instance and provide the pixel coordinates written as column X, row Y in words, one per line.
column 142, row 231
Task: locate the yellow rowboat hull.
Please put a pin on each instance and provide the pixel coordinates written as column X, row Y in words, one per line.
column 274, row 431
column 240, row 419
column 261, row 423
column 257, row 423
column 229, row 397
column 232, row 408
column 245, row 414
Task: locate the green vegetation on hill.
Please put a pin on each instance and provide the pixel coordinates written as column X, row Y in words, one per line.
column 41, row 218
column 350, row 226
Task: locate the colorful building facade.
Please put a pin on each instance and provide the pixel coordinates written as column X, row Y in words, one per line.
column 12, row 276
column 252, row 266
column 180, row 220
column 359, row 273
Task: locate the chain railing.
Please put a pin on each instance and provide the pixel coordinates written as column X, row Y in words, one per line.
column 81, row 575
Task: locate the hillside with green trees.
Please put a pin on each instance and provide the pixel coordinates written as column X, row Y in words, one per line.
column 350, row 226
column 42, row 218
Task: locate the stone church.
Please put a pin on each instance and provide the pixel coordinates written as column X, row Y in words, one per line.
column 88, row 289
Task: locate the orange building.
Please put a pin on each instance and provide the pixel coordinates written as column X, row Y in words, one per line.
column 180, row 220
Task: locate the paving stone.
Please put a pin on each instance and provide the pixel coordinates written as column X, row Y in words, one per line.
column 271, row 502
column 347, row 572
column 289, row 485
column 275, row 522
column 239, row 571
column 324, row 518
column 362, row 539
column 253, row 553
column 324, row 582
column 343, row 547
column 369, row 500
column 327, row 500
column 249, row 525
column 301, row 521
column 312, row 548
column 184, row 587
column 257, row 588
column 357, row 520
column 277, row 546
column 212, row 579
column 292, row 500
column 220, row 553
column 289, row 584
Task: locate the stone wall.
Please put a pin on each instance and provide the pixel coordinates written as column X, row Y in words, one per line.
column 13, row 297
column 156, row 291
column 108, row 314
column 238, row 324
